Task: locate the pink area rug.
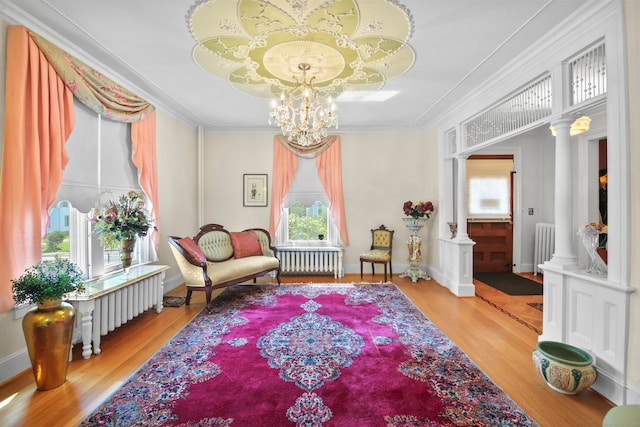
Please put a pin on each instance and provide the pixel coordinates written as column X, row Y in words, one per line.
column 310, row 355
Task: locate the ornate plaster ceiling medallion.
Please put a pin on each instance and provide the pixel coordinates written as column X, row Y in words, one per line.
column 257, row 45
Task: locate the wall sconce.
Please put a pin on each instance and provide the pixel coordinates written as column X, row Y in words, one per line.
column 581, row 125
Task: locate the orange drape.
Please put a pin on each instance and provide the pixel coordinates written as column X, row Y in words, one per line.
column 329, row 164
column 143, row 137
column 39, row 118
column 285, row 164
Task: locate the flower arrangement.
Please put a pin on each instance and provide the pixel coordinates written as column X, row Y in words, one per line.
column 47, row 280
column 417, row 210
column 124, row 219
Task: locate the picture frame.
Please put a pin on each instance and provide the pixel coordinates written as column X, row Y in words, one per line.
column 255, row 190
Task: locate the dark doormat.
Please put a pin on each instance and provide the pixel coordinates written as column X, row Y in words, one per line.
column 170, row 301
column 509, row 283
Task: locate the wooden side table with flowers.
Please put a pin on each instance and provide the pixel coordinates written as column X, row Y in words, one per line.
column 417, row 215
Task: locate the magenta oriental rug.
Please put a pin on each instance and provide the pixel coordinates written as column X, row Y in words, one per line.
column 310, row 355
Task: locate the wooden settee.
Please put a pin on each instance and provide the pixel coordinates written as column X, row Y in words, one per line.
column 216, row 258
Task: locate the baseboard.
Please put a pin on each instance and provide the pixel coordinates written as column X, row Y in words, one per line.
column 14, row 364
column 172, row 283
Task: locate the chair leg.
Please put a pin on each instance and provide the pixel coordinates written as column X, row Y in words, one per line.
column 385, row 272
column 360, row 269
column 373, row 268
column 187, row 300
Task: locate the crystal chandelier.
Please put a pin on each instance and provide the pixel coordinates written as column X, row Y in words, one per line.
column 300, row 115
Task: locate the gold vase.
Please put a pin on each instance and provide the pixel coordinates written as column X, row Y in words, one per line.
column 48, row 331
column 126, row 252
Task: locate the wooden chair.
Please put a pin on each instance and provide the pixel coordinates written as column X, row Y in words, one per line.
column 380, row 252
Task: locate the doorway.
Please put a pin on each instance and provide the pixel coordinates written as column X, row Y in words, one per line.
column 490, row 211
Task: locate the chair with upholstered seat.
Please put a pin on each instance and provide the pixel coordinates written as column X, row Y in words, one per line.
column 380, row 252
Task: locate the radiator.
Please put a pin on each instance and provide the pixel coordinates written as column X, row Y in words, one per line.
column 311, row 260
column 544, row 245
column 114, row 301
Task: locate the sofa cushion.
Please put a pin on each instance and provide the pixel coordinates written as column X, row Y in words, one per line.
column 245, row 244
column 192, row 249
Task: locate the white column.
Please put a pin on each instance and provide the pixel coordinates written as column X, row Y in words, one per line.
column 563, row 257
column 461, row 194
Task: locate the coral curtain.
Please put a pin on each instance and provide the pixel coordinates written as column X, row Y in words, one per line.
column 41, row 81
column 285, row 164
column 39, row 118
column 143, row 138
column 329, row 164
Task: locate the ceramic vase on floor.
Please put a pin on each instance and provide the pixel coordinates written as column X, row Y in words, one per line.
column 48, row 332
column 565, row 368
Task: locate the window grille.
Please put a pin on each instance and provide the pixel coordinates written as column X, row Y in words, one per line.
column 450, row 138
column 527, row 106
column 588, row 75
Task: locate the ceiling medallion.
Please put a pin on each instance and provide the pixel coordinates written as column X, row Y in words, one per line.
column 257, row 45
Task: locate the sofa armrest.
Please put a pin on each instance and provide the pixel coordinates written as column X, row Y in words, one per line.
column 193, row 271
column 265, row 242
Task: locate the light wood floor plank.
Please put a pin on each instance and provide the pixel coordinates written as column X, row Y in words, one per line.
column 500, row 345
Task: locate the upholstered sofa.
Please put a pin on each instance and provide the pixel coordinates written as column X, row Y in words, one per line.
column 216, row 258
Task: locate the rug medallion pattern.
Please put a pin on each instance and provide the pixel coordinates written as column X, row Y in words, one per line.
column 310, row 355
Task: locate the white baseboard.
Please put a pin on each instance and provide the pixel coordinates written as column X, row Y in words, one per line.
column 172, row 283
column 14, row 364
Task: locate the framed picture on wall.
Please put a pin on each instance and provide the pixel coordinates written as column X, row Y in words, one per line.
column 255, row 189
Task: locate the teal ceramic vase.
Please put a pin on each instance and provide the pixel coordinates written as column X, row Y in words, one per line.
column 565, row 368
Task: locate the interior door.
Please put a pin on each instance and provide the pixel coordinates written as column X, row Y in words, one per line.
column 493, row 251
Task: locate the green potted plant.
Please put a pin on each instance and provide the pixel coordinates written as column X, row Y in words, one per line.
column 48, row 328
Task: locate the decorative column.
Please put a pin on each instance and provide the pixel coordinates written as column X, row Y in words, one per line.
column 563, row 257
column 414, row 245
column 461, row 194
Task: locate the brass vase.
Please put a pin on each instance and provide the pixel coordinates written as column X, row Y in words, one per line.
column 126, row 252
column 48, row 330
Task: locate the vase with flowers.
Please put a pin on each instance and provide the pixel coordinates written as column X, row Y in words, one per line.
column 48, row 328
column 417, row 215
column 123, row 220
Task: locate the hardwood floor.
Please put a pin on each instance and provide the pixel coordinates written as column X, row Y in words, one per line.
column 497, row 342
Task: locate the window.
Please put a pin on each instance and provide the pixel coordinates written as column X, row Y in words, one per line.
column 489, row 188
column 307, row 223
column 99, row 168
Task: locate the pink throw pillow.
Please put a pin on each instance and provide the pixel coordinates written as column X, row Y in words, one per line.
column 192, row 249
column 245, row 243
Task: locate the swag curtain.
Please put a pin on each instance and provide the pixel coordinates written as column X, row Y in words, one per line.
column 329, row 165
column 40, row 83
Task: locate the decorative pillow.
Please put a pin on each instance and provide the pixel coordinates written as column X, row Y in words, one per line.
column 192, row 249
column 245, row 243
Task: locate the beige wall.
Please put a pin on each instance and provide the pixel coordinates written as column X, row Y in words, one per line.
column 177, row 183
column 632, row 9
column 379, row 173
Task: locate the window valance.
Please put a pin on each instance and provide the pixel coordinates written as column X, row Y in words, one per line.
column 93, row 89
